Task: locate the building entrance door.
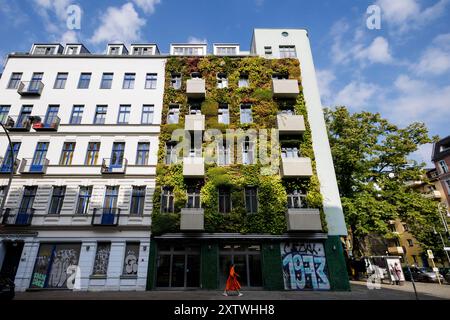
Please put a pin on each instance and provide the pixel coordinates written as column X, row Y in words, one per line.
column 178, row 267
column 11, row 261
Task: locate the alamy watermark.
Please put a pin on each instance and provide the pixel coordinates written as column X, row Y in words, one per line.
column 373, row 21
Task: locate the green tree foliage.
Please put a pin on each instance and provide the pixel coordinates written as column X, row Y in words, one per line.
column 373, row 170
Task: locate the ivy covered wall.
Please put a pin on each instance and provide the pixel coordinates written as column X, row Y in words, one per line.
column 272, row 196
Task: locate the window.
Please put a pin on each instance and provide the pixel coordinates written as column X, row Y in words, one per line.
column 57, row 199
column 84, row 199
column 85, row 80
column 92, row 153
column 224, row 200
column 60, row 82
column 107, row 79
column 130, row 266
column 72, row 50
column 39, row 156
column 137, row 200
column 286, row 108
column 173, row 114
column 167, row 200
column 14, row 81
column 243, row 81
column 251, row 200
column 4, row 110
column 151, row 80
column 193, row 197
column 224, row 156
column 142, row 153
column 280, row 76
column 77, row 114
column 67, row 153
column 176, row 81
column 222, row 81
column 226, row 51
column 128, row 81
column 114, row 50
column 35, row 82
column 289, row 152
column 288, row 52
column 187, row 51
column 296, row 199
column 195, row 107
column 268, row 51
column 110, row 202
column 223, row 114
column 196, row 75
column 247, row 151
column 447, row 182
column 117, row 154
column 142, row 51
column 147, row 114
column 44, row 50
column 171, row 155
column 101, row 259
column 124, row 114
column 23, row 120
column 410, row 242
column 246, row 113
column 443, row 166
column 51, row 118
column 7, row 162
column 100, row 114
column 26, row 205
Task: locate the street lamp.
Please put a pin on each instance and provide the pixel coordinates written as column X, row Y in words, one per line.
column 11, row 172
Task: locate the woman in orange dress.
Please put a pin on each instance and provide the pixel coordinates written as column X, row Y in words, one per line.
column 232, row 282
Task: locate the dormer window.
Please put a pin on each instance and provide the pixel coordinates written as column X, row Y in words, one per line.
column 142, row 51
column 72, row 50
column 114, row 50
column 44, row 50
column 222, row 81
column 226, row 49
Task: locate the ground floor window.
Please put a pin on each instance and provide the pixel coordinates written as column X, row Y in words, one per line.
column 130, row 266
column 247, row 263
column 51, row 269
column 178, row 266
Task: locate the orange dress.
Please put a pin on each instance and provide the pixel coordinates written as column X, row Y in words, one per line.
column 232, row 282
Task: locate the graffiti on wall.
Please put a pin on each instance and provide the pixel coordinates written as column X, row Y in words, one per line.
column 304, row 266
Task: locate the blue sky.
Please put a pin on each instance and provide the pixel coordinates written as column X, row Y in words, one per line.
column 401, row 70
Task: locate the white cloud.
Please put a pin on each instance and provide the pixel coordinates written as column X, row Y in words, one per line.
column 405, row 15
column 69, row 37
column 435, row 60
column 423, row 154
column 324, row 79
column 196, row 40
column 356, row 95
column 119, row 24
column 148, row 6
column 377, row 52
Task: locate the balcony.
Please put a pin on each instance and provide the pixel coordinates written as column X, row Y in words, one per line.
column 192, row 219
column 47, row 125
column 18, row 123
column 195, row 88
column 194, row 122
column 434, row 194
column 5, row 166
column 114, row 166
column 105, row 216
column 30, row 88
column 303, row 219
column 285, row 88
column 296, row 167
column 38, row 166
column 194, row 167
column 17, row 217
column 396, row 250
column 290, row 124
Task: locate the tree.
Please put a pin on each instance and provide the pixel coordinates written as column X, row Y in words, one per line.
column 371, row 158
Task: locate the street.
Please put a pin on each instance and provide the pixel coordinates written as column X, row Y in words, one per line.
column 426, row 291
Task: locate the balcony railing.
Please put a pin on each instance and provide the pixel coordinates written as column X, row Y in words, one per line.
column 296, row 167
column 194, row 167
column 5, row 165
column 303, row 219
column 105, row 217
column 18, row 217
column 290, row 123
column 192, row 219
column 285, row 88
column 30, row 88
column 18, row 123
column 34, row 166
column 195, row 88
column 48, row 125
column 114, row 166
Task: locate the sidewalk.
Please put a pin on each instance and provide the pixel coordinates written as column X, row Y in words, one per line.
column 359, row 291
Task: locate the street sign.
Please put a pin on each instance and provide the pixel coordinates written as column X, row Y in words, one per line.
column 430, row 254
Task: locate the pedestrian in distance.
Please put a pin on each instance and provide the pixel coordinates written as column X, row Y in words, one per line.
column 232, row 283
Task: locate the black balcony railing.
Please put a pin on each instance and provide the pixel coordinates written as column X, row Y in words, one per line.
column 51, row 124
column 30, row 88
column 114, row 165
column 18, row 217
column 5, row 165
column 34, row 165
column 105, row 217
column 18, row 123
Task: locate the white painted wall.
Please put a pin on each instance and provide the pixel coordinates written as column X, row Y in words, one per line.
column 324, row 162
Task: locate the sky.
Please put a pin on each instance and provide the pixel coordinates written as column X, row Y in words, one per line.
column 399, row 67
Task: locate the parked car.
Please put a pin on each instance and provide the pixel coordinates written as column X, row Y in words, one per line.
column 422, row 275
column 7, row 287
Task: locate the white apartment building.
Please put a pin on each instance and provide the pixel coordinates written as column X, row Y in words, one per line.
column 84, row 129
